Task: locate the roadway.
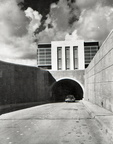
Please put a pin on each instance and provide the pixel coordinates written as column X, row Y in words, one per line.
column 56, row 123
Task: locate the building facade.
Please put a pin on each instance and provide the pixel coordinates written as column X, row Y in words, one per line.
column 44, row 56
column 66, row 55
column 90, row 49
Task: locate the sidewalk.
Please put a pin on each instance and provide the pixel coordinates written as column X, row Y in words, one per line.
column 103, row 116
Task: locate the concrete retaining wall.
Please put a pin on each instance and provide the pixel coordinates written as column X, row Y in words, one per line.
column 99, row 76
column 23, row 84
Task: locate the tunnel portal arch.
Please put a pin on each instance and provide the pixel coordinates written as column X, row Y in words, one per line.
column 66, row 86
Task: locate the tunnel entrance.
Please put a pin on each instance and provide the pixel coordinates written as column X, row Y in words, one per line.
column 64, row 87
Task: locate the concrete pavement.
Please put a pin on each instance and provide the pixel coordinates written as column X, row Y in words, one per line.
column 103, row 116
column 56, row 123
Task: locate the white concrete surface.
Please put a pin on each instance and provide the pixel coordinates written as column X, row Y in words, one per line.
column 63, row 44
column 57, row 123
column 99, row 76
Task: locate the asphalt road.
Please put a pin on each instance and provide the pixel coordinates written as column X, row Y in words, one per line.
column 57, row 123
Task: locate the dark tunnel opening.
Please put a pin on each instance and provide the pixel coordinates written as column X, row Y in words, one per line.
column 64, row 87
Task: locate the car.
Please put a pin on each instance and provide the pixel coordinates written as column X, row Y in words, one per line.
column 70, row 98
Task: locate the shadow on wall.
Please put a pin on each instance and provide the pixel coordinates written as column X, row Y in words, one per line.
column 23, row 86
column 60, row 89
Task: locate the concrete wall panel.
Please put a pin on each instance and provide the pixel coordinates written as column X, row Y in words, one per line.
column 99, row 76
column 77, row 75
column 23, row 84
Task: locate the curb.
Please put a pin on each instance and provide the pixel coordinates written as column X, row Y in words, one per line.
column 106, row 129
column 103, row 119
column 14, row 107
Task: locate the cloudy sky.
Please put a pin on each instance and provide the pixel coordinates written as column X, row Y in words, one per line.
column 25, row 22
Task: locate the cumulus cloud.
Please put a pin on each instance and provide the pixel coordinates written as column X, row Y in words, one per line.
column 72, row 37
column 95, row 21
column 59, row 21
column 35, row 18
column 90, row 20
column 86, row 3
column 16, row 34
